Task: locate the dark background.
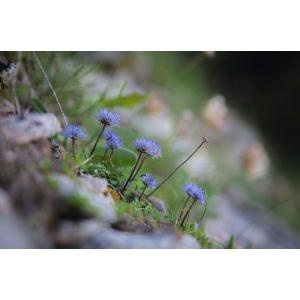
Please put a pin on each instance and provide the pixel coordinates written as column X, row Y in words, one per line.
column 265, row 88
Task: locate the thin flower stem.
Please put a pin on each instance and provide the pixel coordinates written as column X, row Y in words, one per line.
column 73, row 148
column 133, row 169
column 203, row 212
column 112, row 151
column 133, row 176
column 99, row 136
column 204, row 140
column 187, row 200
column 136, row 194
column 49, row 83
column 142, row 193
column 187, row 213
column 104, row 155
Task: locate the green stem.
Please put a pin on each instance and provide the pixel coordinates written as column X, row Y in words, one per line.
column 203, row 212
column 99, row 136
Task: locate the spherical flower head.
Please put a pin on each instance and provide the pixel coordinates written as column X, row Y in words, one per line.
column 196, row 192
column 147, row 146
column 149, row 181
column 107, row 117
column 113, row 140
column 75, row 132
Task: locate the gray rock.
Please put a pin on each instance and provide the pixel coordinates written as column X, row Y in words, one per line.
column 93, row 190
column 73, row 234
column 113, row 239
column 31, row 127
column 159, row 204
column 14, row 232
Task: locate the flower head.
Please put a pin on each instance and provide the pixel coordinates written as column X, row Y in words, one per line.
column 74, row 132
column 107, row 117
column 196, row 192
column 113, row 140
column 149, row 181
column 147, row 146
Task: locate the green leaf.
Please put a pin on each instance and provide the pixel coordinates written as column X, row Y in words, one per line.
column 230, row 244
column 125, row 101
column 127, row 156
column 38, row 106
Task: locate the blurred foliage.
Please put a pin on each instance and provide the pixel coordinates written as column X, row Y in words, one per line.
column 180, row 81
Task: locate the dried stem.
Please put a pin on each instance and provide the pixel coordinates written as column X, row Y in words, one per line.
column 49, row 83
column 133, row 169
column 104, row 155
column 204, row 140
column 112, row 151
column 99, row 136
column 142, row 192
column 133, row 176
column 73, row 148
column 187, row 213
column 187, row 200
column 83, row 163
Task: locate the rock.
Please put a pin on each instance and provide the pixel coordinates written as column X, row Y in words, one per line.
column 73, row 234
column 29, row 128
column 159, row 204
column 88, row 192
column 14, row 232
column 113, row 239
column 97, row 186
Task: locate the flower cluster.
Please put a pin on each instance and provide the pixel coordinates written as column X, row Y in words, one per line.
column 107, row 117
column 75, row 132
column 150, row 147
column 196, row 192
column 113, row 140
column 149, row 181
column 145, row 147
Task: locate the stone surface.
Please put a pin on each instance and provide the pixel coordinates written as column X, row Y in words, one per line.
column 113, row 239
column 14, row 232
column 30, row 128
column 159, row 204
column 72, row 234
column 93, row 189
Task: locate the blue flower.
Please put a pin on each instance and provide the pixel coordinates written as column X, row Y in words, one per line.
column 149, row 181
column 74, row 132
column 107, row 117
column 147, row 146
column 113, row 140
column 196, row 192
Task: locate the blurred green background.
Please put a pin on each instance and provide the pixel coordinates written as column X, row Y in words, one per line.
column 247, row 103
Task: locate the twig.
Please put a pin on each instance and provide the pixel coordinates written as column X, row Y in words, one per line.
column 49, row 83
column 135, row 193
column 205, row 139
column 16, row 100
column 83, row 163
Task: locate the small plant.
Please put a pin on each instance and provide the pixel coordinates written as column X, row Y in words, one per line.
column 74, row 132
column 113, row 141
column 197, row 194
column 147, row 148
column 106, row 117
column 149, row 182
